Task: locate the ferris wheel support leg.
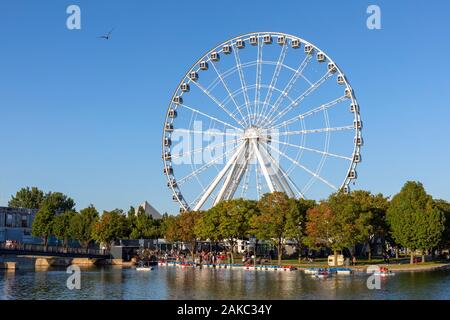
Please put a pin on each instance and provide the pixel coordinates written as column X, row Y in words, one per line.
column 288, row 179
column 218, row 178
column 228, row 180
column 236, row 180
column 277, row 180
column 283, row 178
column 281, row 182
column 263, row 166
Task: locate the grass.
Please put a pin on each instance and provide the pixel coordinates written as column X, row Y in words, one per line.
column 394, row 263
column 426, row 265
column 400, row 263
column 318, row 263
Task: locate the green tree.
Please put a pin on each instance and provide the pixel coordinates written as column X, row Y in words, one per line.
column 444, row 206
column 27, row 198
column 43, row 223
column 61, row 226
column 169, row 228
column 81, row 225
column 319, row 226
column 144, row 226
column 296, row 222
column 415, row 222
column 131, row 218
column 373, row 208
column 207, row 225
column 234, row 220
column 271, row 223
column 185, row 224
column 131, row 212
column 59, row 202
column 111, row 226
column 337, row 223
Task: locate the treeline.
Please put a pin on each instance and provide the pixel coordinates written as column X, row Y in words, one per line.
column 57, row 217
column 412, row 219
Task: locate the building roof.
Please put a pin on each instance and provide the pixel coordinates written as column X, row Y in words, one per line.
column 149, row 210
column 13, row 210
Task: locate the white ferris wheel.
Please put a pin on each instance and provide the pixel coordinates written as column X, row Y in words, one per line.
column 262, row 112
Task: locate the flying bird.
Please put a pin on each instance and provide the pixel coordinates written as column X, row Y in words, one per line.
column 107, row 36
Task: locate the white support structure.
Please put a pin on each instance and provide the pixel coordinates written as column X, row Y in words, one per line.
column 280, row 175
column 228, row 180
column 285, row 178
column 263, row 166
column 218, row 178
column 236, row 180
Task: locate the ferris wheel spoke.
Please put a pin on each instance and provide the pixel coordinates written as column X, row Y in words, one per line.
column 322, row 107
column 197, row 199
column 230, row 71
column 205, row 166
column 216, row 101
column 242, row 80
column 233, row 94
column 249, row 87
column 304, row 168
column 207, row 132
column 313, row 150
column 298, row 132
column 274, row 80
column 285, row 93
column 219, row 177
column 210, row 117
column 219, row 75
column 296, row 102
column 258, row 77
column 201, row 149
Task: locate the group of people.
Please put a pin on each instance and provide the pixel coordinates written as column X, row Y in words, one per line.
column 386, row 256
column 11, row 244
column 183, row 255
column 201, row 257
column 211, row 257
column 207, row 257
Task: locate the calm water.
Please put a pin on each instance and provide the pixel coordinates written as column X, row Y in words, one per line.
column 176, row 283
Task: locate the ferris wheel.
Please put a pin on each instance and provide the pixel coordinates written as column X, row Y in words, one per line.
column 261, row 112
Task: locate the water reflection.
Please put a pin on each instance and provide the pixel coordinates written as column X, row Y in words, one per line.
column 174, row 283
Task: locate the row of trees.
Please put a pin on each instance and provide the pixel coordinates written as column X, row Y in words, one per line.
column 412, row 219
column 57, row 217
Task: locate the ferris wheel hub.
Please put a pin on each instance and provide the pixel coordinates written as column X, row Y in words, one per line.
column 252, row 133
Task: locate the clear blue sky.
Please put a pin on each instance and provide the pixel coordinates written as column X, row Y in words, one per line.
column 83, row 116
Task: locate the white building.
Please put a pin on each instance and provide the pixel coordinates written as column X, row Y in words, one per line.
column 149, row 210
column 15, row 224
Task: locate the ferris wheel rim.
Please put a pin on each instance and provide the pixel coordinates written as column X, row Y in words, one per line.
column 219, row 49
